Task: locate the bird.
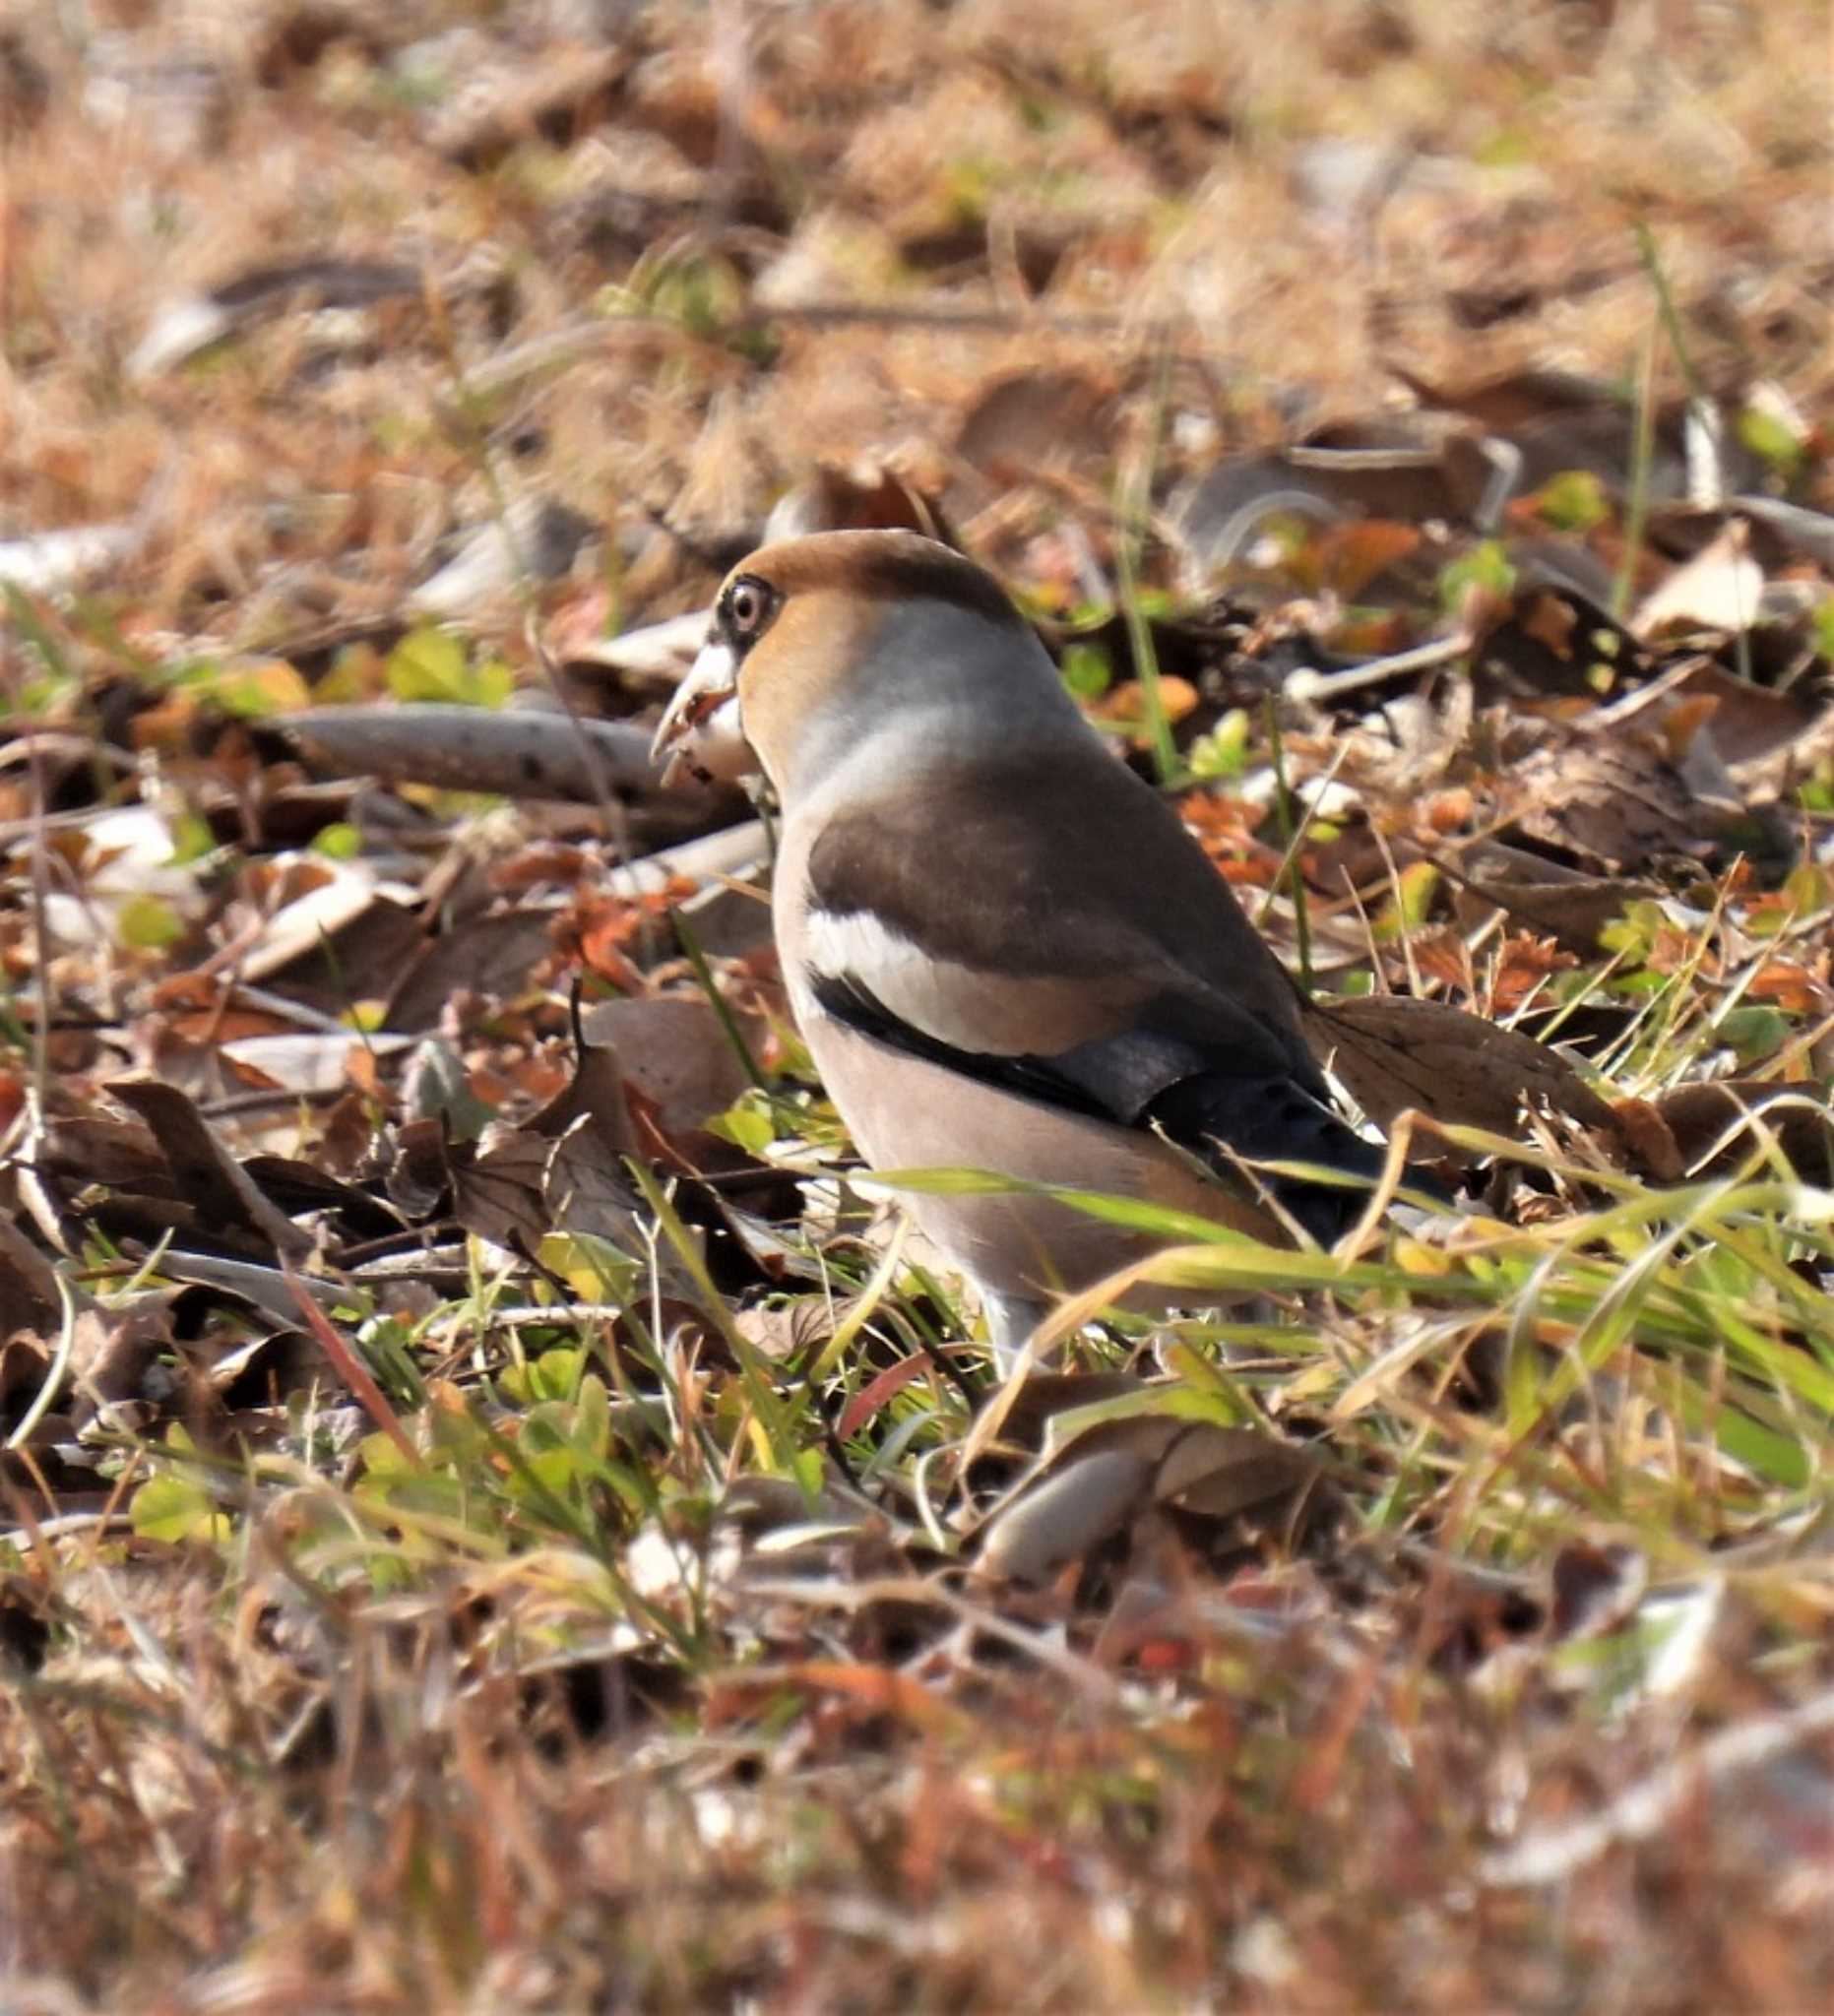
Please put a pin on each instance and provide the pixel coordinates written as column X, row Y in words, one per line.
column 1004, row 949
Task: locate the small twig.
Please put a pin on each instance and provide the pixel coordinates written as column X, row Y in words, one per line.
column 1305, row 684
column 56, row 1375
column 354, row 1373
column 1642, row 452
column 1292, row 831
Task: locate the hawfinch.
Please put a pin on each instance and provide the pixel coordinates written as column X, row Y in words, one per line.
column 1004, row 950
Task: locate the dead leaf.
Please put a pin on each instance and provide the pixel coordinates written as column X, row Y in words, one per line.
column 1394, row 1052
column 206, row 1174
column 1562, row 903
column 787, row 1330
column 1101, row 1481
column 1609, row 799
column 1551, row 640
column 1351, row 556
column 1717, row 590
column 1035, row 419
column 1713, row 1127
column 28, row 1296
column 1642, row 1130
column 1084, row 1500
column 1596, row 1590
column 860, row 499
column 675, row 1050
column 490, row 957
column 498, row 1187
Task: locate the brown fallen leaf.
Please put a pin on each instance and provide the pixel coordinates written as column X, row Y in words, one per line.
column 1032, row 420
column 205, row 1173
column 1714, row 1125
column 1394, row 1052
column 29, row 1297
column 1649, row 1140
column 1549, row 640
column 1717, row 590
column 1086, row 1500
column 1617, row 801
column 675, row 1050
column 489, row 955
column 1548, row 898
column 1097, row 1485
column 1751, row 726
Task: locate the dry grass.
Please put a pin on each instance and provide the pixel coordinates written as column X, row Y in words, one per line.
column 656, row 1670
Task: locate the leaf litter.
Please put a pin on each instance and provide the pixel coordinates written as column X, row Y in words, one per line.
column 493, row 1514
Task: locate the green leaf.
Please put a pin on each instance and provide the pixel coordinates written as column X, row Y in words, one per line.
column 554, row 1375
column 148, row 923
column 1408, row 908
column 192, row 839
column 1087, row 670
column 338, row 841
column 1486, row 567
column 428, row 664
column 173, row 1508
column 1771, row 439
column 1754, row 1033
column 746, row 1123
column 1224, row 751
column 1573, row 501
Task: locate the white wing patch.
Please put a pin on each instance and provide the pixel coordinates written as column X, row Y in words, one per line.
column 954, row 1004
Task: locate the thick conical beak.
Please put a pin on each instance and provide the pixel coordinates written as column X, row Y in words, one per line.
column 700, row 730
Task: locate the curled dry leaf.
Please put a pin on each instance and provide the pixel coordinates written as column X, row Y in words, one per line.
column 1394, row 1052
column 787, row 1330
column 863, row 498
column 676, row 1052
column 186, row 324
column 311, row 1060
column 205, row 1173
column 1716, row 1124
column 1595, row 1589
column 1617, row 800
column 561, row 1171
column 505, row 102
column 1549, row 898
column 1717, row 590
column 29, row 1297
column 1117, row 1469
column 112, row 1347
column 1087, row 1498
column 1215, row 518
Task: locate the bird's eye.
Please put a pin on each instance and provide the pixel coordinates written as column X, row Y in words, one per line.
column 748, row 606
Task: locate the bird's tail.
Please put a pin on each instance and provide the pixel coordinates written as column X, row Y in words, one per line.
column 1275, row 1119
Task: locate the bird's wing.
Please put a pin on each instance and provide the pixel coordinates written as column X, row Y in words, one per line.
column 1035, row 903
column 1051, row 929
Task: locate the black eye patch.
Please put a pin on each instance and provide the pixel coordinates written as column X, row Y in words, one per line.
column 747, row 609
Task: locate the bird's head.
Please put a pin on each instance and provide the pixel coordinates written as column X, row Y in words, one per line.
column 817, row 642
